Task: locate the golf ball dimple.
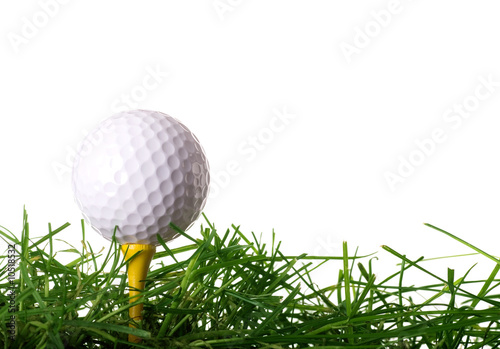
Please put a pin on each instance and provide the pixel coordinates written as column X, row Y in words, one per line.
column 139, row 171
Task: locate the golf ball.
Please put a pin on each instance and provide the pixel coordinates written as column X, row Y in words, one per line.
column 139, row 171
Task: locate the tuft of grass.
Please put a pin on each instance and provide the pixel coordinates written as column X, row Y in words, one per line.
column 230, row 290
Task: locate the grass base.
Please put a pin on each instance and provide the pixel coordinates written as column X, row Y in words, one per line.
column 232, row 291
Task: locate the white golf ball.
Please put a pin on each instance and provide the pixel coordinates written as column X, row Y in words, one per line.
column 139, row 171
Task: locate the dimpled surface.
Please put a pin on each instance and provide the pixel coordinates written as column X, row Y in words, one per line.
column 139, row 171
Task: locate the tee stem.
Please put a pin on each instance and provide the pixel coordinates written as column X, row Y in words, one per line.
column 138, row 268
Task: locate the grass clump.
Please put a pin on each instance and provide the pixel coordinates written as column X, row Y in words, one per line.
column 228, row 290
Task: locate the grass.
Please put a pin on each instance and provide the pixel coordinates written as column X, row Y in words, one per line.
column 229, row 290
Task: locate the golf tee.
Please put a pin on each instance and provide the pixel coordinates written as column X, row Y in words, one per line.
column 138, row 268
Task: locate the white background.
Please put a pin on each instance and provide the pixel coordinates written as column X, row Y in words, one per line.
column 364, row 80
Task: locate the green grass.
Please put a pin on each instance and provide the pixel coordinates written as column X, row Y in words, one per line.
column 229, row 290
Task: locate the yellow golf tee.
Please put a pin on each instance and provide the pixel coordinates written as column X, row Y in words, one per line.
column 138, row 268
